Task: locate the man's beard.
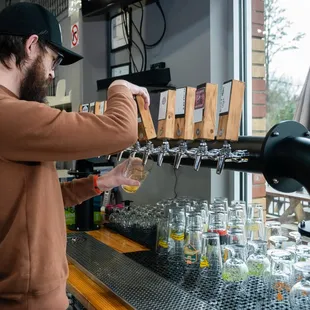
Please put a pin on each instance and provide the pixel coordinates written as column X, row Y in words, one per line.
column 34, row 86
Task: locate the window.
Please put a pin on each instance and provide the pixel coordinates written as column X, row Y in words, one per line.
column 280, row 64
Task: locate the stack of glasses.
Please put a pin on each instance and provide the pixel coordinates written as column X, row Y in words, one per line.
column 232, row 242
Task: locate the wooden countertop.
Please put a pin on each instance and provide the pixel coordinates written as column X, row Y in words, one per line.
column 92, row 295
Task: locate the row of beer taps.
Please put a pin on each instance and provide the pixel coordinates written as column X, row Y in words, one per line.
column 198, row 154
column 186, row 115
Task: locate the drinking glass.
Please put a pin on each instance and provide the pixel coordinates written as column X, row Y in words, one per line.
column 239, row 204
column 218, row 224
column 221, row 200
column 235, row 271
column 255, row 222
column 300, row 292
column 280, row 276
column 236, row 237
column 259, row 269
column 162, row 236
column 192, row 246
column 211, row 257
column 236, row 215
column 137, row 171
column 177, row 222
column 272, row 228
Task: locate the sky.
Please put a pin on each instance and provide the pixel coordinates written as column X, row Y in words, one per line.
column 295, row 63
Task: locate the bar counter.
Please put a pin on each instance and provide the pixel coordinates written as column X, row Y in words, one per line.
column 90, row 294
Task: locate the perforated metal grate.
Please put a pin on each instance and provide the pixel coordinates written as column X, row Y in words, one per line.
column 147, row 281
column 137, row 285
column 214, row 291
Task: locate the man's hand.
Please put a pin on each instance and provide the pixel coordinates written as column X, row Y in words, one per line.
column 135, row 90
column 116, row 177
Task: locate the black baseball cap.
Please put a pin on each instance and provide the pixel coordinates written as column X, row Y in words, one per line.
column 26, row 19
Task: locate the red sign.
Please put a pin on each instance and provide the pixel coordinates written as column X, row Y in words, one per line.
column 75, row 35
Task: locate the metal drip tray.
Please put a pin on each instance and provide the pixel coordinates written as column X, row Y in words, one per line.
column 138, row 286
column 213, row 291
column 147, row 281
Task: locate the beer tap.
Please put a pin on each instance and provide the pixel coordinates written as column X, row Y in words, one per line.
column 166, row 123
column 147, row 151
column 162, row 151
column 184, row 122
column 146, row 130
column 229, row 120
column 199, row 154
column 119, row 156
column 204, row 120
column 224, row 153
column 180, row 153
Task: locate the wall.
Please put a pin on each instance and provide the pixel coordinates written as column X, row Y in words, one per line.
column 73, row 74
column 95, row 61
column 185, row 47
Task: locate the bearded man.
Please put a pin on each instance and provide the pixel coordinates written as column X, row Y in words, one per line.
column 33, row 264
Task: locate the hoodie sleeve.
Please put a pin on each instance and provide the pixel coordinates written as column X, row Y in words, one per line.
column 77, row 191
column 31, row 131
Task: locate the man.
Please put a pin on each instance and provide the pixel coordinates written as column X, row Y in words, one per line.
column 33, row 265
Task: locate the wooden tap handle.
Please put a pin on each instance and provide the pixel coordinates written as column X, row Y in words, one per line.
column 205, row 111
column 166, row 115
column 184, row 113
column 146, row 129
column 230, row 110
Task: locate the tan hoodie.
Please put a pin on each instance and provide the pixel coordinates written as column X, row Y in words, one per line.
column 33, row 264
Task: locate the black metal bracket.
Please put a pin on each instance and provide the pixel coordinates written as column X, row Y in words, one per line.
column 276, row 167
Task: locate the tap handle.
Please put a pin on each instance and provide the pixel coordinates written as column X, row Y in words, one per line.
column 220, row 164
column 205, row 111
column 160, row 159
column 230, row 110
column 177, row 160
column 166, row 115
column 119, row 156
column 145, row 157
column 184, row 113
column 146, row 129
column 197, row 162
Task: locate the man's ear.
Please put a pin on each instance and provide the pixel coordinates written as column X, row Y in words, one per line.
column 31, row 46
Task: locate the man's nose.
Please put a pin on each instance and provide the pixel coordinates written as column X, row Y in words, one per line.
column 51, row 74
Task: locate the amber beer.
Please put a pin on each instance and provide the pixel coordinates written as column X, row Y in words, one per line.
column 135, row 173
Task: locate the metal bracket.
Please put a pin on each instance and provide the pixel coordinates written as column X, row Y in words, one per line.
column 273, row 170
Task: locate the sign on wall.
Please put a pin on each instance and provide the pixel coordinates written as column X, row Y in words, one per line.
column 75, row 35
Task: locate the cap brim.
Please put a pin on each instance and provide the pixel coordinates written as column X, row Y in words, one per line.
column 69, row 56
